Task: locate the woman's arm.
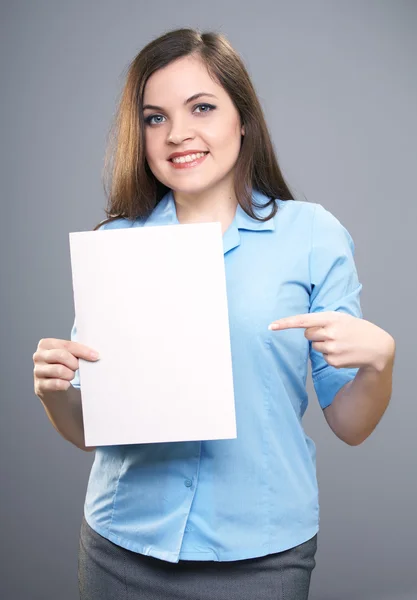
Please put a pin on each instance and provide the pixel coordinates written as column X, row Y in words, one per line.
column 360, row 404
column 64, row 410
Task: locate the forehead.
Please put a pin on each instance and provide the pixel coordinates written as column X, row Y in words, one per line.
column 179, row 80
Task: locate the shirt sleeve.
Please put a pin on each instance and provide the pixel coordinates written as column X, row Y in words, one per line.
column 76, row 381
column 334, row 287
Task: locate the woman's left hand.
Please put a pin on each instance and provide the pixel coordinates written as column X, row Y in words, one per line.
column 345, row 341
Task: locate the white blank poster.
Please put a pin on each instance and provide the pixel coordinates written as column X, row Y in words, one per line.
column 152, row 301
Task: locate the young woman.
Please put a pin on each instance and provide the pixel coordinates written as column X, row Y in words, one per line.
column 223, row 519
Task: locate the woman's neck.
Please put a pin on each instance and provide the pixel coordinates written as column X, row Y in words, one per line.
column 206, row 210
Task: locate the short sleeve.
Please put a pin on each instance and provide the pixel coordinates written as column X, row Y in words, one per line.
column 334, row 287
column 76, row 381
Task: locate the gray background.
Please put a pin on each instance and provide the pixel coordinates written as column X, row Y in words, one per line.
column 338, row 84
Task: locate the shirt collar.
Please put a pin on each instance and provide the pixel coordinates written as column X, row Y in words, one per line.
column 244, row 221
column 165, row 213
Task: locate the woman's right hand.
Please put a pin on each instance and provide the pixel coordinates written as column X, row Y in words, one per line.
column 55, row 362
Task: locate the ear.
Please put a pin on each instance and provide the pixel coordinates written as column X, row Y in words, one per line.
column 242, row 130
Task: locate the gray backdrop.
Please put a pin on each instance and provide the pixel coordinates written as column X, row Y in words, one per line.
column 338, row 84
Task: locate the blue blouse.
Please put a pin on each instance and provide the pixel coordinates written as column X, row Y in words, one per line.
column 225, row 500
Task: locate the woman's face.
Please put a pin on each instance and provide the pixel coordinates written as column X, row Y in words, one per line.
column 208, row 124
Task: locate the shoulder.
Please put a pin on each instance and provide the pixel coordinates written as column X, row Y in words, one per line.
column 312, row 221
column 327, row 226
column 314, row 213
column 299, row 206
column 292, row 213
column 328, row 232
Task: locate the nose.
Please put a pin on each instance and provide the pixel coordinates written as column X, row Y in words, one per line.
column 179, row 132
column 177, row 138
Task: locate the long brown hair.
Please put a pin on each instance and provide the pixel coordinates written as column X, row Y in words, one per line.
column 130, row 186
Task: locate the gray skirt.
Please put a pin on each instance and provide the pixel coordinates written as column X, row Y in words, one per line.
column 107, row 571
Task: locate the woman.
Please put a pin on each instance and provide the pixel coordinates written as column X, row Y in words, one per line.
column 224, row 518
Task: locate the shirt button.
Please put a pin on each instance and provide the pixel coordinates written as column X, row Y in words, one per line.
column 188, row 483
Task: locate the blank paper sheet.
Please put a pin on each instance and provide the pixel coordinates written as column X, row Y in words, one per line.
column 152, row 301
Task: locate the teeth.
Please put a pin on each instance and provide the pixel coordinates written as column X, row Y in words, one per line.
column 189, row 157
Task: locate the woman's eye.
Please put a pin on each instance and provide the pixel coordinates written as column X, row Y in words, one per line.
column 148, row 120
column 210, row 106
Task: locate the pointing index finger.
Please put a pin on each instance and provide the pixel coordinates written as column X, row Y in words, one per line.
column 304, row 320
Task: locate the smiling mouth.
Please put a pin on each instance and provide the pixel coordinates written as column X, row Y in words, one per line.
column 186, row 164
column 187, row 161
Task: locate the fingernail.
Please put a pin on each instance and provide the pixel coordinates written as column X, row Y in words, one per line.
column 94, row 354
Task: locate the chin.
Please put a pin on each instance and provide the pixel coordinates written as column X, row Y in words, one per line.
column 191, row 189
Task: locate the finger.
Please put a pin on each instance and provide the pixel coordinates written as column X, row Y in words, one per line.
column 317, row 334
column 320, row 347
column 51, row 385
column 55, row 371
column 327, row 347
column 57, row 356
column 75, row 348
column 306, row 320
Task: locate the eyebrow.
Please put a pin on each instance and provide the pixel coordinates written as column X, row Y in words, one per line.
column 190, row 99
